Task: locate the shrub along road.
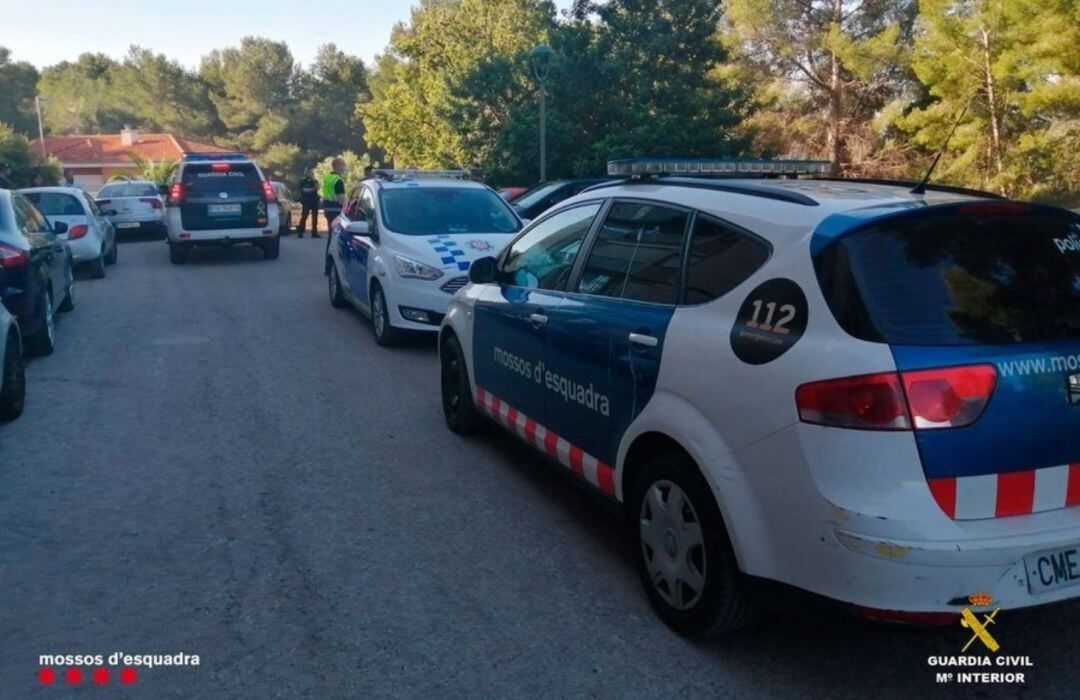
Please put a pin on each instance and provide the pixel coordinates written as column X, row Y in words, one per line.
column 216, row 462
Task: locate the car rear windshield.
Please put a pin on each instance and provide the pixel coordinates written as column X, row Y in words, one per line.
column 211, row 178
column 128, row 189
column 56, row 204
column 968, row 274
column 422, row 211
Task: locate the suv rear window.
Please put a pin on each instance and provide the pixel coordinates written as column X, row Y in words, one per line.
column 968, row 274
column 208, row 178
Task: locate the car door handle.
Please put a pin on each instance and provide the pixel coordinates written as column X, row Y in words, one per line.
column 538, row 320
column 645, row 341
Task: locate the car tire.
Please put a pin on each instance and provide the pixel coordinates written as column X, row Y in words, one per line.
column 337, row 297
column 12, row 380
column 43, row 342
column 459, row 408
column 97, row 266
column 385, row 333
column 272, row 250
column 178, row 254
column 113, row 255
column 684, row 554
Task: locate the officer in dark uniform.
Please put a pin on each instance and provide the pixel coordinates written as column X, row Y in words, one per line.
column 309, row 204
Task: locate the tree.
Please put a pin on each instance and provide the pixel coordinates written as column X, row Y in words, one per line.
column 79, row 97
column 157, row 172
column 163, row 95
column 23, row 160
column 822, row 67
column 1016, row 65
column 18, row 84
column 327, row 119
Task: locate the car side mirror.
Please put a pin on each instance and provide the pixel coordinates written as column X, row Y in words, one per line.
column 484, row 270
column 358, row 228
column 59, row 227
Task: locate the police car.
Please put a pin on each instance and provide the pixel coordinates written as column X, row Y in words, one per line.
column 221, row 199
column 845, row 388
column 403, row 244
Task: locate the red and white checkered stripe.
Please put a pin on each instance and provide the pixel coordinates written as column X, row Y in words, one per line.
column 1001, row 495
column 596, row 472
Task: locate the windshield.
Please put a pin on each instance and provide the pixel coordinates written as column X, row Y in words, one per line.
column 128, row 189
column 56, row 204
column 536, row 194
column 971, row 274
column 422, row 211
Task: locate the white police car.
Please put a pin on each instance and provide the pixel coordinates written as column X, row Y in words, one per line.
column 836, row 387
column 403, row 244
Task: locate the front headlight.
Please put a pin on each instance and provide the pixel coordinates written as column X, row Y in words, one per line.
column 411, row 268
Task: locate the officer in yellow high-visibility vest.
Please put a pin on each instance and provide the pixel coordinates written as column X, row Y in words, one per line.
column 332, row 192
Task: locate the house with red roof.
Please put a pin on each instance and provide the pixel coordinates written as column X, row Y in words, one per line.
column 97, row 157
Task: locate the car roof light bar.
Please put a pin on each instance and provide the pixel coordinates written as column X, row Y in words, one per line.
column 416, row 174
column 207, row 157
column 650, row 167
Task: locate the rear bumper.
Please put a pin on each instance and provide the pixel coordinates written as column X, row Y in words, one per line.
column 225, row 241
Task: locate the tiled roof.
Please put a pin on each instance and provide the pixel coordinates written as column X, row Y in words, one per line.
column 108, row 148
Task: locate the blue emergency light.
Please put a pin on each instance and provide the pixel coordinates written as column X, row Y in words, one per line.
column 416, row 174
column 646, row 167
column 206, row 157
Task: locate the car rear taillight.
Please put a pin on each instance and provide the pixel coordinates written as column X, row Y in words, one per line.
column 951, row 397
column 176, row 193
column 268, row 192
column 220, row 167
column 77, row 231
column 13, row 257
column 154, row 202
column 869, row 402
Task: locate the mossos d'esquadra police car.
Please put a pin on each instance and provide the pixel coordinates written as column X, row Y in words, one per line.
column 849, row 388
column 403, row 243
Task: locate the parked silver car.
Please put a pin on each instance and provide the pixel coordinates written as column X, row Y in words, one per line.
column 133, row 205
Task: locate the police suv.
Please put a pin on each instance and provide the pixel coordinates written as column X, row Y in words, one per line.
column 220, row 199
column 403, row 244
column 847, row 388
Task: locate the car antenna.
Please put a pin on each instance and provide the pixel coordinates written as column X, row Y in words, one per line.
column 921, row 187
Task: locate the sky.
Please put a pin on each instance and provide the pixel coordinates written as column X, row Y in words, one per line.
column 50, row 31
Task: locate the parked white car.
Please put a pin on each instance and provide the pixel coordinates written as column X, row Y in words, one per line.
column 90, row 235
column 12, row 369
column 133, row 205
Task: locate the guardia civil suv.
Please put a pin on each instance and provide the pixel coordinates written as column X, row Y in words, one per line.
column 863, row 390
column 221, row 199
column 403, row 244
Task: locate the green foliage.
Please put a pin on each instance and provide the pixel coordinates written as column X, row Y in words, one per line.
column 23, row 160
column 1016, row 63
column 18, row 82
column 164, row 96
column 355, row 163
column 82, row 97
column 157, row 172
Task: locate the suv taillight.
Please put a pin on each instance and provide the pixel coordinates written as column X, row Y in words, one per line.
column 176, row 194
column 268, row 192
column 13, row 257
column 952, row 397
column 77, row 231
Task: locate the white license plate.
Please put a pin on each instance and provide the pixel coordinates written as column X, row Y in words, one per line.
column 1053, row 569
column 223, row 208
column 128, row 224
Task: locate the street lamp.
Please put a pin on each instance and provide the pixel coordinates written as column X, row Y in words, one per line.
column 540, row 57
column 38, row 99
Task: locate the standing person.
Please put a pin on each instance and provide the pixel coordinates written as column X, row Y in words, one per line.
column 37, row 179
column 5, row 183
column 333, row 193
column 69, row 179
column 309, row 204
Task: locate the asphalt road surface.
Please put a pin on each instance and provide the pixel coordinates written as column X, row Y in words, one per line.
column 216, row 462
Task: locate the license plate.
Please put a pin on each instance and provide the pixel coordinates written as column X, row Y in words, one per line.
column 1053, row 569
column 128, row 224
column 219, row 209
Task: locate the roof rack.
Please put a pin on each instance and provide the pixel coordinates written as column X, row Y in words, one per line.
column 417, row 174
column 737, row 167
column 197, row 157
column 911, row 183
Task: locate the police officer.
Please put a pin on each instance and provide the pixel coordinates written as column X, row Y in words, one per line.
column 309, row 204
column 333, row 193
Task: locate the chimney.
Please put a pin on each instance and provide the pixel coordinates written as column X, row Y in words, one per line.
column 129, row 136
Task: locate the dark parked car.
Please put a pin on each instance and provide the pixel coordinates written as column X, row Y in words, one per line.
column 35, row 271
column 547, row 194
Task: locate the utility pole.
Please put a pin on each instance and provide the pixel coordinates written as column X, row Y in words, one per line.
column 41, row 129
column 541, row 65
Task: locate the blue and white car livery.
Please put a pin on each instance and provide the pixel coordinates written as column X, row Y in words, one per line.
column 841, row 387
column 403, row 244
